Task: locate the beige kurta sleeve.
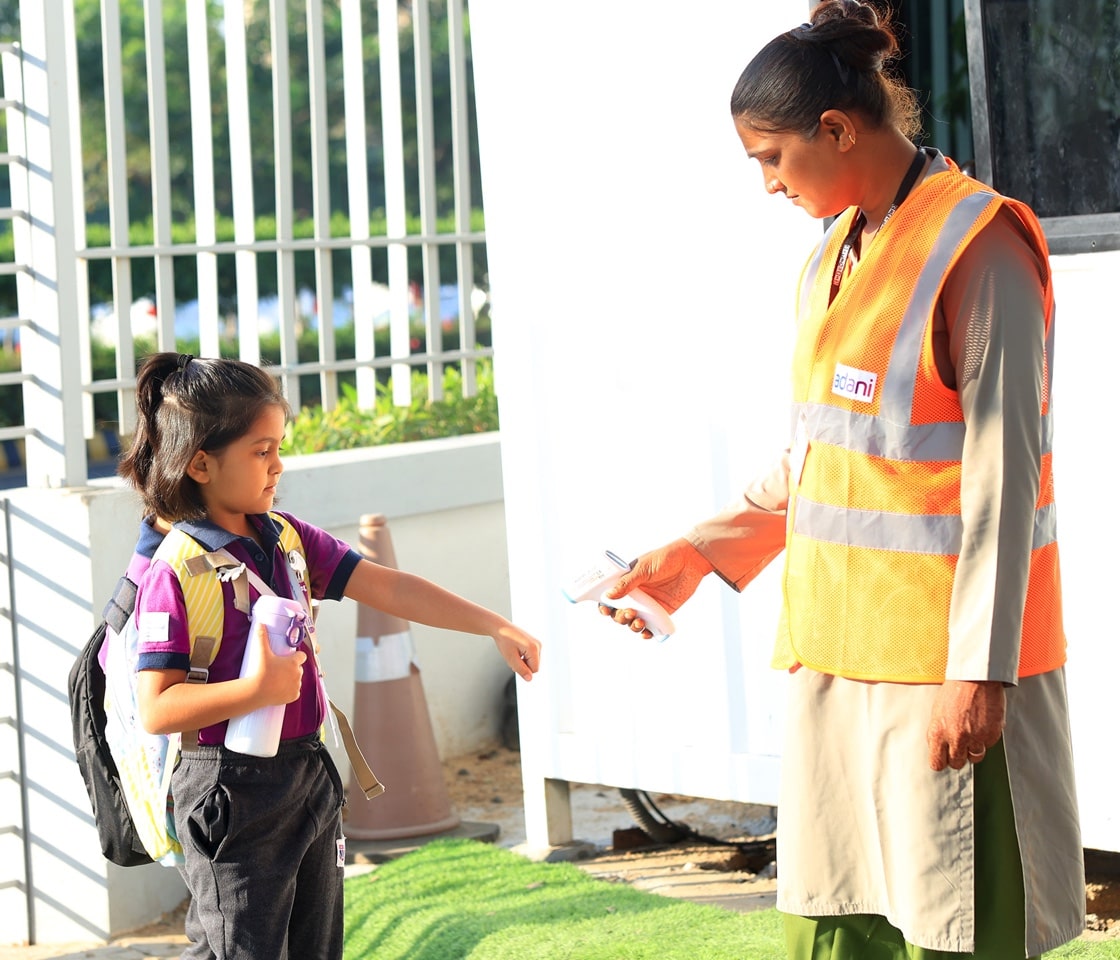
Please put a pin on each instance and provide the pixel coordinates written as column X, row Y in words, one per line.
column 750, row 531
column 993, row 309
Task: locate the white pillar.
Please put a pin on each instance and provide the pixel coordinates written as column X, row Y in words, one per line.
column 56, row 452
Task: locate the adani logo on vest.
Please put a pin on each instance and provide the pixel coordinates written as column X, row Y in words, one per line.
column 853, row 384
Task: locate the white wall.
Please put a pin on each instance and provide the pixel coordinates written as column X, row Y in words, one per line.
column 443, row 500
column 642, row 284
column 1088, row 341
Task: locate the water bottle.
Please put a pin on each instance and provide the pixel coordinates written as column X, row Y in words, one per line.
column 258, row 733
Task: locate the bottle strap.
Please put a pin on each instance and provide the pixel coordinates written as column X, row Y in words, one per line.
column 367, row 779
column 340, row 723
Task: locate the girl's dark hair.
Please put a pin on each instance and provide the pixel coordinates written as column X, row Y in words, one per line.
column 185, row 405
column 837, row 61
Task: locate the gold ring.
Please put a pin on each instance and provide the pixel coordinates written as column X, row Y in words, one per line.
column 977, row 754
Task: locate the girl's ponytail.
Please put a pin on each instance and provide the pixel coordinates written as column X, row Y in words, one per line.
column 136, row 464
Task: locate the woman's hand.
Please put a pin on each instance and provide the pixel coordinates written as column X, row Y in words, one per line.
column 669, row 575
column 967, row 718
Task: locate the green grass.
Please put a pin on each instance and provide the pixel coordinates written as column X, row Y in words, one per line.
column 1088, row 950
column 464, row 899
column 459, row 899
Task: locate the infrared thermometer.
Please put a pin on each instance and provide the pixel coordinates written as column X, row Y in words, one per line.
column 603, row 574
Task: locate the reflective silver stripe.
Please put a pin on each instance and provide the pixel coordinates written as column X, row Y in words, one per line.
column 876, row 437
column 897, row 399
column 935, row 533
column 879, row 529
column 916, row 443
column 812, row 270
column 1045, row 526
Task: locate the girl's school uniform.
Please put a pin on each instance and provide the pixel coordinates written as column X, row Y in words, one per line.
column 262, row 837
column 162, row 619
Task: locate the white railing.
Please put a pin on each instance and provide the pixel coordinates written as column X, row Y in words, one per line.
column 53, row 255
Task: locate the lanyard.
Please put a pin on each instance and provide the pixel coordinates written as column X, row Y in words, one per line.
column 850, row 240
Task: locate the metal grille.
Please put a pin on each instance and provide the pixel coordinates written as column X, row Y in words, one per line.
column 309, row 50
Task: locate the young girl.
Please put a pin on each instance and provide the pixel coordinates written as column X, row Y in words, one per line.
column 262, row 837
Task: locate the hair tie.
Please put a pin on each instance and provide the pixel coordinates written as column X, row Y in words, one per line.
column 184, row 359
column 802, row 33
column 841, row 68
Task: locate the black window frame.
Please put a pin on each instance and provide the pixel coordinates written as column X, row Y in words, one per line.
column 1065, row 234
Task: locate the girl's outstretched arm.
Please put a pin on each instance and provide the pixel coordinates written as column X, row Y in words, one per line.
column 413, row 598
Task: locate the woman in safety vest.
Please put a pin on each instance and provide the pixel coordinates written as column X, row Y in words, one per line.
column 927, row 806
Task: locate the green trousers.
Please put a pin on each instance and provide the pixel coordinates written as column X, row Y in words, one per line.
column 1000, row 919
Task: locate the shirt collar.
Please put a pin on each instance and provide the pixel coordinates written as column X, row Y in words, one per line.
column 149, row 539
column 213, row 537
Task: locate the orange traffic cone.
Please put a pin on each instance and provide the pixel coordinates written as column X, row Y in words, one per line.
column 391, row 720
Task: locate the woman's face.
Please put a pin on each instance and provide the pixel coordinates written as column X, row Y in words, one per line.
column 805, row 170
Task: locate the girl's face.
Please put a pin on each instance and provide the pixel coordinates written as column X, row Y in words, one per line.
column 242, row 478
column 806, row 171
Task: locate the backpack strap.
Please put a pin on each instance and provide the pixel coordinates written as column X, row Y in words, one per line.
column 227, row 569
column 120, row 605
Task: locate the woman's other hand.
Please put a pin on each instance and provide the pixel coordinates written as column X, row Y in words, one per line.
column 968, row 718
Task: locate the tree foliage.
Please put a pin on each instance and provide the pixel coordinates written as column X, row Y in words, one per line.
column 260, row 58
column 133, row 77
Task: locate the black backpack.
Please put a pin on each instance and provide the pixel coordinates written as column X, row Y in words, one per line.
column 115, row 830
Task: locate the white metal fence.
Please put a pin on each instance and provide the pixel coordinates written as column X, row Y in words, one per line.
column 364, row 72
column 48, row 167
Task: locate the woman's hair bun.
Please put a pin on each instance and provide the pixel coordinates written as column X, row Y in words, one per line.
column 854, row 31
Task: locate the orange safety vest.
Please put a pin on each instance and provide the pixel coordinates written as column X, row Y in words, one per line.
column 874, row 519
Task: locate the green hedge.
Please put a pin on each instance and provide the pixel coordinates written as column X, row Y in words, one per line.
column 346, row 427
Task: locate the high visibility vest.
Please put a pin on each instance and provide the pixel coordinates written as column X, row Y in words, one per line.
column 874, row 519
